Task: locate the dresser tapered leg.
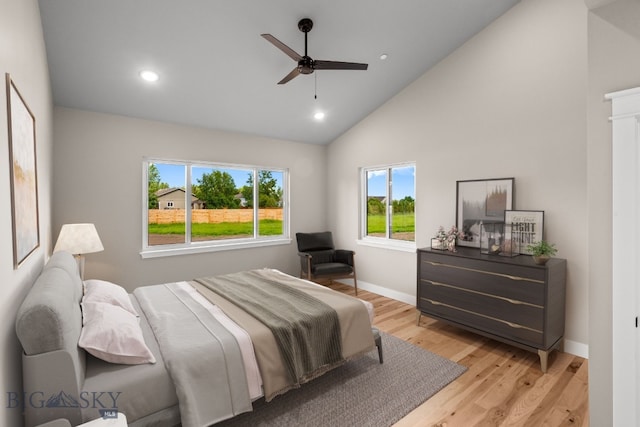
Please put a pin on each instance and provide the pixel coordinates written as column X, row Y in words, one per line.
column 418, row 317
column 544, row 358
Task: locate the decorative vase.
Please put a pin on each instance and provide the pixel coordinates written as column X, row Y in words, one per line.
column 541, row 260
column 451, row 245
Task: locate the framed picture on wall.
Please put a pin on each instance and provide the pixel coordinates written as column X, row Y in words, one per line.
column 23, row 177
column 481, row 201
column 527, row 227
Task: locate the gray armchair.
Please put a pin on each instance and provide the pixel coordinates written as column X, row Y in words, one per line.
column 320, row 260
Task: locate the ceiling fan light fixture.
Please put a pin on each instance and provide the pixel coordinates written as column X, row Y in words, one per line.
column 149, row 76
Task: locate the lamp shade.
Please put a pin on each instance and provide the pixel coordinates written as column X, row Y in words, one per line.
column 79, row 239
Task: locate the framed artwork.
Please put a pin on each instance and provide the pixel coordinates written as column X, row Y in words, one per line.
column 481, row 201
column 527, row 227
column 23, row 176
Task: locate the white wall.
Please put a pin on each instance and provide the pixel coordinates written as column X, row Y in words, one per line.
column 614, row 64
column 98, row 178
column 508, row 103
column 22, row 54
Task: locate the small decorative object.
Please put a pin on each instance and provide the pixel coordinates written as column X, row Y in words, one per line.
column 491, row 237
column 511, row 246
column 496, row 238
column 542, row 251
column 438, row 244
column 446, row 240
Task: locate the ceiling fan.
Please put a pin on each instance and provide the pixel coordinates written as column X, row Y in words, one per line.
column 307, row 65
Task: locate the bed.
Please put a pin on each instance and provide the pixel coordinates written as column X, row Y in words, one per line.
column 207, row 348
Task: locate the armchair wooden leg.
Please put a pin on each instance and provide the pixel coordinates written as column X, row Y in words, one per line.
column 355, row 281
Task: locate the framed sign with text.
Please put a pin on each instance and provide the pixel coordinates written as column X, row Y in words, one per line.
column 527, row 227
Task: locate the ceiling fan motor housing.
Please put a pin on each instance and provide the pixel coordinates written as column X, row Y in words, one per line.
column 306, row 65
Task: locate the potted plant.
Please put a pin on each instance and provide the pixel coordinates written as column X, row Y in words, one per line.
column 542, row 251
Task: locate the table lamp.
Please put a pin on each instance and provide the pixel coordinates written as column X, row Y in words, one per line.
column 79, row 239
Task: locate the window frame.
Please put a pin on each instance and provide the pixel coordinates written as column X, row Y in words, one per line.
column 190, row 247
column 385, row 242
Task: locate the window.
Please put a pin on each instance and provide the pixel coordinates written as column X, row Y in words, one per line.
column 223, row 210
column 388, row 205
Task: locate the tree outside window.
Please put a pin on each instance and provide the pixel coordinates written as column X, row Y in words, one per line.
column 390, row 202
column 219, row 207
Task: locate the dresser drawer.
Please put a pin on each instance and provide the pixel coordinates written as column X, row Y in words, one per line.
column 516, row 283
column 498, row 327
column 509, row 310
column 489, row 264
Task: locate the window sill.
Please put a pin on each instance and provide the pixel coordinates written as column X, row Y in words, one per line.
column 395, row 245
column 173, row 250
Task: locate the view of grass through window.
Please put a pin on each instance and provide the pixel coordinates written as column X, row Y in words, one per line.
column 395, row 219
column 221, row 205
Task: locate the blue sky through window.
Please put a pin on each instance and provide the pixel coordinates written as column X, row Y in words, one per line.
column 403, row 182
column 174, row 175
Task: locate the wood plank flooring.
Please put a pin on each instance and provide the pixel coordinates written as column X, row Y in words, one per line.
column 503, row 385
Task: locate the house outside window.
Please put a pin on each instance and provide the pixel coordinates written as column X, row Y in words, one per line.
column 388, row 205
column 223, row 210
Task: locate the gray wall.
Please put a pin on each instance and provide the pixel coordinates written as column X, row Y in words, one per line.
column 99, row 155
column 22, row 54
column 508, row 103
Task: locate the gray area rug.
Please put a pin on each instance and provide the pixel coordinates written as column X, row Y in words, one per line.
column 362, row 392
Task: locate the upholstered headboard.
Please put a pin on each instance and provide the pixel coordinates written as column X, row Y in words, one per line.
column 48, row 325
column 50, row 318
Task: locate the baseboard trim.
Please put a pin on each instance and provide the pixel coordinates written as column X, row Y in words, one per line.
column 576, row 348
column 573, row 347
column 381, row 290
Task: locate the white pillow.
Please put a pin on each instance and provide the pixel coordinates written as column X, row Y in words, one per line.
column 107, row 292
column 113, row 334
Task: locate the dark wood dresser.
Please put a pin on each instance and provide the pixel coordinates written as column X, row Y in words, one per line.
column 512, row 300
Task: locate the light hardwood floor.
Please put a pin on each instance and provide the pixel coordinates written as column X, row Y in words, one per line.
column 503, row 385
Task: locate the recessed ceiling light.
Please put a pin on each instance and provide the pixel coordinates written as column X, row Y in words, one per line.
column 319, row 115
column 383, row 56
column 148, row 75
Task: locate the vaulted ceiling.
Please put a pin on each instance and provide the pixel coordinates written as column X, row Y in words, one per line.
column 216, row 71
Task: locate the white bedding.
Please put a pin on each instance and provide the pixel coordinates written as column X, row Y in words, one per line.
column 254, row 380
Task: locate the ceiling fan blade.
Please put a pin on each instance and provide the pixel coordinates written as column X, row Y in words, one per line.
column 290, row 76
column 337, row 65
column 283, row 47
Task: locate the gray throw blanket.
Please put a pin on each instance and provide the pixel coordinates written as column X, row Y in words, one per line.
column 306, row 329
column 201, row 355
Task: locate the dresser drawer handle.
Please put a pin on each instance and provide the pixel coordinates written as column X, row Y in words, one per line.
column 508, row 276
column 513, row 325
